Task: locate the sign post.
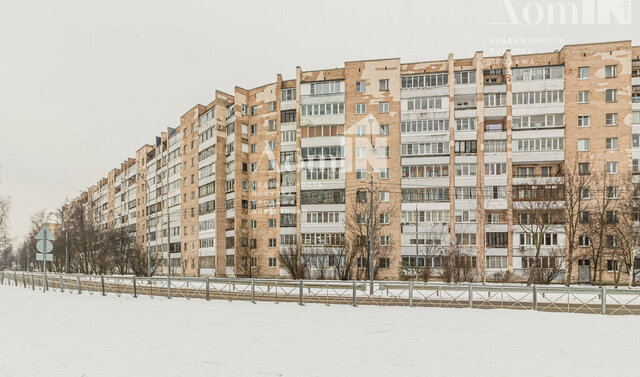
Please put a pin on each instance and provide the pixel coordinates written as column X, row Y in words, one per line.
column 44, row 247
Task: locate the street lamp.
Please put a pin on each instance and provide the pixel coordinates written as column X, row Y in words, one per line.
column 371, row 236
column 146, row 212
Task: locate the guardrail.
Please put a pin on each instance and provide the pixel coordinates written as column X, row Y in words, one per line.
column 574, row 299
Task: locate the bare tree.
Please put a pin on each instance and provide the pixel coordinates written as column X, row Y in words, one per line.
column 570, row 214
column 291, row 261
column 458, row 265
column 246, row 257
column 603, row 213
column 6, row 251
column 358, row 231
column 627, row 230
column 345, row 260
column 536, row 212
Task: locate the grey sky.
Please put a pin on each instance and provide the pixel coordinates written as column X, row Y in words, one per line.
column 83, row 84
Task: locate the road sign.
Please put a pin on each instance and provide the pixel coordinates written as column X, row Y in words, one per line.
column 48, row 256
column 44, row 246
column 44, row 234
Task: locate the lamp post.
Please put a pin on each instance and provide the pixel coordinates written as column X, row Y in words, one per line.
column 146, row 212
column 371, row 235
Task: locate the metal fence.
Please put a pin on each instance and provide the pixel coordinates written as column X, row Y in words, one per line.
column 574, row 299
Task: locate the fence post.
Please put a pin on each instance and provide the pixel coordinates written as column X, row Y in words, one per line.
column 604, row 300
column 61, row 284
column 79, row 285
column 534, row 298
column 470, row 295
column 135, row 288
column 15, row 278
column 354, row 303
column 46, row 282
column 24, row 280
column 253, row 291
column 102, row 283
column 301, row 301
column 207, row 288
column 168, row 286
column 33, row 283
column 411, row 293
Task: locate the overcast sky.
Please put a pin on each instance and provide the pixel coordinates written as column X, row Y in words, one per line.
column 84, row 84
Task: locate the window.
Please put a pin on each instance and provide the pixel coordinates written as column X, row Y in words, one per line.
column 583, row 73
column 384, row 218
column 254, row 224
column 272, row 242
column 585, row 193
column 271, row 145
column 611, row 95
column 466, row 239
column 612, row 240
column 384, row 196
column 288, row 136
column 635, row 140
column 323, row 109
column 383, row 107
column 538, row 97
column 272, row 223
column 464, row 77
column 272, row 125
column 612, row 167
column 583, row 241
column 384, row 240
column 384, row 85
column 611, row 143
column 229, row 261
column 583, row 145
column 496, row 262
column 610, row 71
column 584, row 121
column 272, row 106
column 495, row 146
column 362, row 263
column 384, row 173
column 635, row 117
column 495, row 168
column 465, row 170
column 583, row 96
column 254, row 110
column 361, row 174
column 287, row 116
column 321, row 131
column 538, row 144
column 538, row 73
column 288, row 94
column 272, row 183
column 253, row 148
column 584, row 168
column 466, row 146
column 427, row 80
column 384, row 129
column 384, row 263
column 361, row 196
column 361, row 130
column 611, row 119
column 361, row 152
column 612, row 265
column 383, row 152
column 635, row 166
column 612, row 192
column 326, row 87
column 426, row 103
column 465, row 216
column 361, row 108
column 272, row 262
column 360, row 86
column 272, row 164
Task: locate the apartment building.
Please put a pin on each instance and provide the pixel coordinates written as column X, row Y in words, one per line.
column 452, row 152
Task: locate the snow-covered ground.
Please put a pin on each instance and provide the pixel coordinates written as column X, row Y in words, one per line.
column 66, row 334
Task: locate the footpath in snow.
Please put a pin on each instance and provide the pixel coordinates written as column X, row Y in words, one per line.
column 66, row 334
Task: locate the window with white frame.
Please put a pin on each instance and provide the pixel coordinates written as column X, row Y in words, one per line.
column 361, row 108
column 288, row 136
column 361, row 130
column 384, row 218
column 612, row 167
column 385, row 240
column 326, row 87
column 384, row 129
column 584, row 145
column 583, row 73
column 611, row 119
column 384, row 173
column 361, row 174
column 463, row 170
column 611, row 143
column 384, row 85
column 584, row 120
column 361, row 152
column 383, row 107
column 384, row 196
column 383, row 152
column 610, row 71
column 361, row 86
column 583, row 96
column 611, row 95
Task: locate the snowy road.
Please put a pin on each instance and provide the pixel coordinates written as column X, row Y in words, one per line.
column 65, row 334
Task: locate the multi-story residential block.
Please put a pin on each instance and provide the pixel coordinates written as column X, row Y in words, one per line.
column 454, row 153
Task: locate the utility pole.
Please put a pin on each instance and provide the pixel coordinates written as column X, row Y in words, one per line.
column 371, row 235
